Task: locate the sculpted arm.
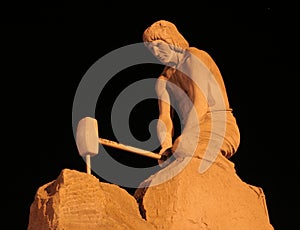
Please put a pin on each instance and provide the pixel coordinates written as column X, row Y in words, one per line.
column 164, row 124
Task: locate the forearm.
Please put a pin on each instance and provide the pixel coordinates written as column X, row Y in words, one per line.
column 165, row 131
column 164, row 124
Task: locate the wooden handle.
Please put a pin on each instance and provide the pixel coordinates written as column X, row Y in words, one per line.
column 129, row 148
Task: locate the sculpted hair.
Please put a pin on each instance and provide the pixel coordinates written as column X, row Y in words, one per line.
column 167, row 32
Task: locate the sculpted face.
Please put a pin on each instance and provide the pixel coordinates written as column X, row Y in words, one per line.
column 162, row 51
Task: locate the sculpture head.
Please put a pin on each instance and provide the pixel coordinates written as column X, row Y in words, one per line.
column 165, row 31
column 163, row 39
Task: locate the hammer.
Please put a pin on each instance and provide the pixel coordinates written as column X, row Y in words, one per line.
column 87, row 141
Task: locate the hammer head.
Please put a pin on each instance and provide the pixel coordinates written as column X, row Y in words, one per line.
column 87, row 139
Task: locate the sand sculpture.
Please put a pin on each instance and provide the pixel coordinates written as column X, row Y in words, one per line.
column 197, row 186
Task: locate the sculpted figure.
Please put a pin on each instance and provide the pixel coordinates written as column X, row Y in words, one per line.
column 192, row 85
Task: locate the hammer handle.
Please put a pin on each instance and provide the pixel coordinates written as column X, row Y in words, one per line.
column 129, row 148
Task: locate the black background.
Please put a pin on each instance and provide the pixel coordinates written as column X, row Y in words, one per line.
column 46, row 51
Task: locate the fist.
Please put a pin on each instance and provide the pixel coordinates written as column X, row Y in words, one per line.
column 165, row 158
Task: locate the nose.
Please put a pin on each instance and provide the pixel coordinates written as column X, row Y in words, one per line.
column 155, row 50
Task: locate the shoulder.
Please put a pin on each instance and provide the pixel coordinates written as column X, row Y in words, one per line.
column 168, row 72
column 203, row 56
column 199, row 53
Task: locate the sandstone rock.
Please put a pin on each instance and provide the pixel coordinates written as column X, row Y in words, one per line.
column 77, row 200
column 216, row 199
column 174, row 198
